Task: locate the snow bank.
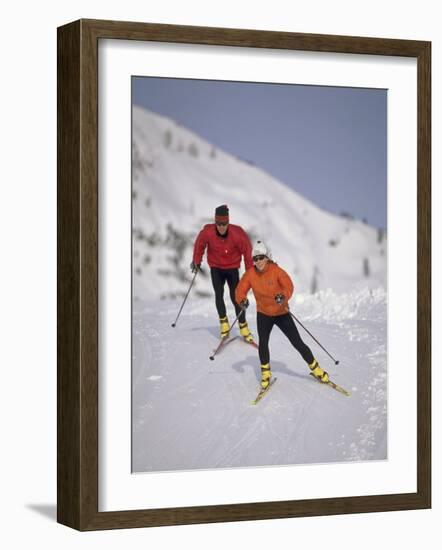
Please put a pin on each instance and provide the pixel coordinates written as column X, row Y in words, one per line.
column 332, row 307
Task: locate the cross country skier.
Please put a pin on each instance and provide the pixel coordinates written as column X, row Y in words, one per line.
column 273, row 288
column 226, row 244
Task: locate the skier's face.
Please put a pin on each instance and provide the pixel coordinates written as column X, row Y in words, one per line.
column 260, row 262
column 222, row 228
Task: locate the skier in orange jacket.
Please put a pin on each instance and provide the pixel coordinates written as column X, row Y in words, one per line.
column 273, row 288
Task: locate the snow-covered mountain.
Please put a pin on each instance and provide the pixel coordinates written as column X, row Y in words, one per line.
column 178, row 181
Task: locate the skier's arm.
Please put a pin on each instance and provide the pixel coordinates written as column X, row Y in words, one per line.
column 286, row 283
column 242, row 288
column 246, row 250
column 199, row 247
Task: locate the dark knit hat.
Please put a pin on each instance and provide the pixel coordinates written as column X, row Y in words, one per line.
column 222, row 213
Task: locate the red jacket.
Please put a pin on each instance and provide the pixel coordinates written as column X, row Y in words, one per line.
column 265, row 286
column 223, row 252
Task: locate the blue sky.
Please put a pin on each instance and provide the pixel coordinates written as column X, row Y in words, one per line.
column 327, row 143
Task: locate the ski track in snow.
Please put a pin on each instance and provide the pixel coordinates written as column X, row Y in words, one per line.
column 192, row 413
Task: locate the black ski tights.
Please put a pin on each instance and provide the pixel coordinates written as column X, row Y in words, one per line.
column 219, row 278
column 286, row 324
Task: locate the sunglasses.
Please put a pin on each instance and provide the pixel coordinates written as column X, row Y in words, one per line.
column 259, row 257
column 222, row 223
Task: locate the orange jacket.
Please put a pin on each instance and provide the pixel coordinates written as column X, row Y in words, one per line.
column 266, row 285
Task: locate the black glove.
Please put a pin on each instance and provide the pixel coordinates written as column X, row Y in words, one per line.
column 279, row 298
column 244, row 303
column 195, row 267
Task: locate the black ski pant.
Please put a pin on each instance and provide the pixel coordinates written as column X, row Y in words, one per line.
column 219, row 278
column 286, row 324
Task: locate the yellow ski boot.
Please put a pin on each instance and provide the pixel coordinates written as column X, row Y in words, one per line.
column 224, row 327
column 245, row 332
column 266, row 375
column 319, row 373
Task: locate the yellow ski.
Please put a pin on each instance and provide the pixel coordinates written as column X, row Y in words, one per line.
column 332, row 385
column 263, row 392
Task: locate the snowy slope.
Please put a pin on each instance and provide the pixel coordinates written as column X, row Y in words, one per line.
column 192, row 413
column 179, row 179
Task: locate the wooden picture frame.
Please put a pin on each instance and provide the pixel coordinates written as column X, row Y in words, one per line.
column 77, row 225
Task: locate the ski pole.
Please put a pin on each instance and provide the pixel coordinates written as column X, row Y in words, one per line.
column 212, row 357
column 319, row 344
column 182, row 305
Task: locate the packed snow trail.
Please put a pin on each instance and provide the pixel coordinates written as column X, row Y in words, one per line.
column 192, row 413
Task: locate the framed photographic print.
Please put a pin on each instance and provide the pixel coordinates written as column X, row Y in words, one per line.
column 211, row 184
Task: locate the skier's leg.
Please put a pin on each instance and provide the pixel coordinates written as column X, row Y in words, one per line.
column 232, row 276
column 232, row 281
column 265, row 325
column 218, row 280
column 288, row 327
column 218, row 287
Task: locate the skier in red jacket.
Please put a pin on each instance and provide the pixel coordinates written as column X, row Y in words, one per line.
column 226, row 244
